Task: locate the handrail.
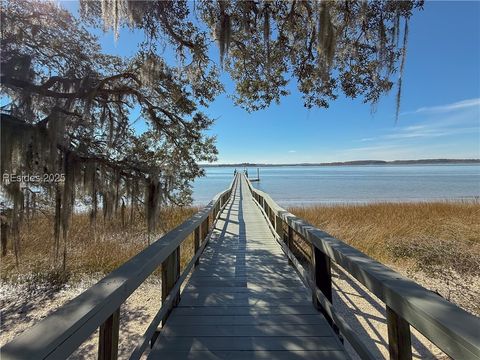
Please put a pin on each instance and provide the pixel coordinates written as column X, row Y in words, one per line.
column 60, row 334
column 450, row 328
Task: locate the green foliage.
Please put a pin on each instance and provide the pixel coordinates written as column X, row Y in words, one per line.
column 327, row 47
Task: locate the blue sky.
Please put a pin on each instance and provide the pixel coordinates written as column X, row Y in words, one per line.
column 440, row 116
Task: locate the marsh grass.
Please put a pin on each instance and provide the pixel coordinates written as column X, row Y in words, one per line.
column 434, row 237
column 92, row 248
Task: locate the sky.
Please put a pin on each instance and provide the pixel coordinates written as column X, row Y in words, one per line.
column 440, row 108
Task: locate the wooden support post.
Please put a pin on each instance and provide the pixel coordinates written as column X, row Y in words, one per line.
column 321, row 272
column 290, row 242
column 204, row 229
column 399, row 337
column 196, row 241
column 170, row 274
column 279, row 226
column 108, row 340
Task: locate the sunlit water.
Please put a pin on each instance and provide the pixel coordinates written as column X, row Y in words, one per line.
column 301, row 185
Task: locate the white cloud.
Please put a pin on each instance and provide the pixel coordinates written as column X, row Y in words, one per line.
column 461, row 118
column 430, row 132
column 464, row 104
column 399, row 151
column 292, row 151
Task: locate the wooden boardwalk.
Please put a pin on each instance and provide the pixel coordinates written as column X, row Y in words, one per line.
column 244, row 301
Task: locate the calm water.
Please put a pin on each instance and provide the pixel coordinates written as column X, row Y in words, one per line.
column 342, row 184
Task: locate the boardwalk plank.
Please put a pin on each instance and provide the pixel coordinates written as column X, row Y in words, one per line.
column 245, row 343
column 245, row 310
column 253, row 355
column 286, row 319
column 246, row 330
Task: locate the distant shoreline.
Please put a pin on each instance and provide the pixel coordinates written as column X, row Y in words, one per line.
column 358, row 162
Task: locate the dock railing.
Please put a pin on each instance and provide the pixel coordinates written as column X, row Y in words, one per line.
column 450, row 328
column 60, row 334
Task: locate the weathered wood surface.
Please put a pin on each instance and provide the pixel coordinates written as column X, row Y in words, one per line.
column 108, row 339
column 399, row 337
column 244, row 301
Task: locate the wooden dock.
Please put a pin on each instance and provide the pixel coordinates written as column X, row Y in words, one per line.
column 242, row 295
column 244, row 301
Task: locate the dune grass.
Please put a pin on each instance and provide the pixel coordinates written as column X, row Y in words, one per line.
column 429, row 236
column 436, row 237
column 92, row 249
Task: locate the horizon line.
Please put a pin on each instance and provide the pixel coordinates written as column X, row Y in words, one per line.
column 366, row 161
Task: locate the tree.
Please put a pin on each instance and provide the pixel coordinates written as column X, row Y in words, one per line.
column 70, row 113
column 327, row 47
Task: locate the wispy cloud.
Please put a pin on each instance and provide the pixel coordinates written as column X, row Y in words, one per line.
column 399, row 151
column 432, row 132
column 464, row 104
column 454, row 119
column 292, row 151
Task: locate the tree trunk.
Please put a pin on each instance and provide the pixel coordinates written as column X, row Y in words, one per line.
column 57, row 221
column 4, row 237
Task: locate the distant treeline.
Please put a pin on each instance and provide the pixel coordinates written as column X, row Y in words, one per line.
column 359, row 162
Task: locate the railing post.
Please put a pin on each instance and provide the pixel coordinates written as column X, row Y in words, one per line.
column 290, row 242
column 204, row 229
column 321, row 272
column 170, row 274
column 196, row 241
column 279, row 226
column 399, row 337
column 108, row 339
